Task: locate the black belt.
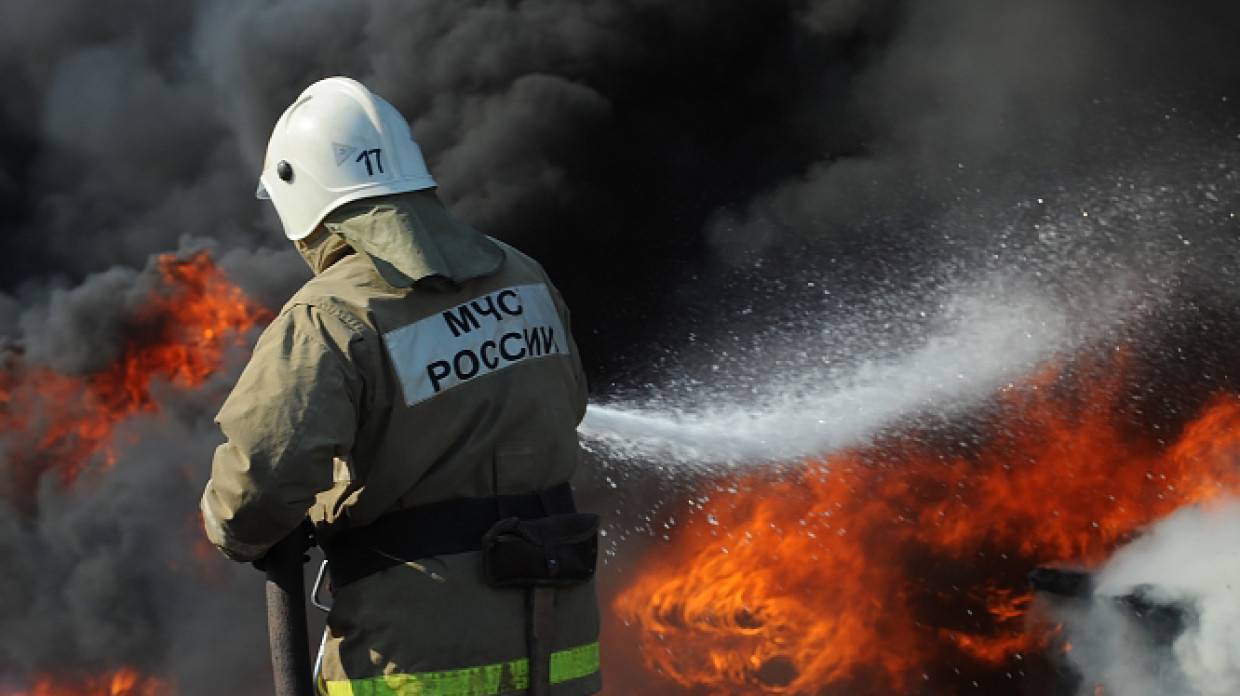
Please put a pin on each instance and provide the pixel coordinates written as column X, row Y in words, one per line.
column 434, row 529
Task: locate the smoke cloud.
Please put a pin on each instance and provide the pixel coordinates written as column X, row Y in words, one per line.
column 1185, row 565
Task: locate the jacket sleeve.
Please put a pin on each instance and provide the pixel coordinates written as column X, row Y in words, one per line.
column 295, row 407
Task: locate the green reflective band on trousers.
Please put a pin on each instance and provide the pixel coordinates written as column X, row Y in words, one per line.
column 487, row 680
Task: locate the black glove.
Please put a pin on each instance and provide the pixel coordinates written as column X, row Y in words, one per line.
column 298, row 542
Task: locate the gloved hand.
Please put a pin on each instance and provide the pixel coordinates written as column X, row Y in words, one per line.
column 298, row 542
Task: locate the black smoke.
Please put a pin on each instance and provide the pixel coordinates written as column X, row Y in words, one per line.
column 670, row 162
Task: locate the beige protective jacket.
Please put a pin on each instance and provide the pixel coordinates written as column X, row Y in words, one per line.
column 362, row 398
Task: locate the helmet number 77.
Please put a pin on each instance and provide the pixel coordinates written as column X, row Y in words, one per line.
column 378, row 163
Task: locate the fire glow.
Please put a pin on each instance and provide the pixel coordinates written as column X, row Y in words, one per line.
column 121, row 682
column 879, row 570
column 60, row 422
column 61, row 425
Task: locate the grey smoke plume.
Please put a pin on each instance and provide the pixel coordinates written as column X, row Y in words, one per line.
column 106, row 572
column 1191, row 562
column 651, row 153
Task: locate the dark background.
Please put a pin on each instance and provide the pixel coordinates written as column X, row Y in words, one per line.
column 640, row 149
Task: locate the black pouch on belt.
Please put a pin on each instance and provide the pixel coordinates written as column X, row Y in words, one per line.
column 552, row 551
column 540, row 555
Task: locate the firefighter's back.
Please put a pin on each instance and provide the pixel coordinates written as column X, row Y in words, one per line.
column 472, row 392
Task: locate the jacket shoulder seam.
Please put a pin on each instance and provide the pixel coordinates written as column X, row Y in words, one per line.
column 330, row 308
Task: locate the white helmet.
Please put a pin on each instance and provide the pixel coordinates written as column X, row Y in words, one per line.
column 337, row 143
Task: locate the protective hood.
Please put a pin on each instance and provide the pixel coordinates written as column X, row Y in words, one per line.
column 322, row 249
column 412, row 236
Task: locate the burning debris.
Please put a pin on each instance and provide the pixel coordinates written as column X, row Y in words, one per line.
column 876, row 570
column 1062, row 582
column 1162, row 619
column 1162, row 614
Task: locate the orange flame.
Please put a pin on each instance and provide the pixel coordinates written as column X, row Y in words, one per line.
column 62, row 421
column 121, row 682
column 865, row 569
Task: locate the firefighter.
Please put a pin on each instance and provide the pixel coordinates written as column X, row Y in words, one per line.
column 418, row 400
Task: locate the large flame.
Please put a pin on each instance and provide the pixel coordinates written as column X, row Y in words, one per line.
column 57, row 423
column 60, row 422
column 121, row 682
column 871, row 570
